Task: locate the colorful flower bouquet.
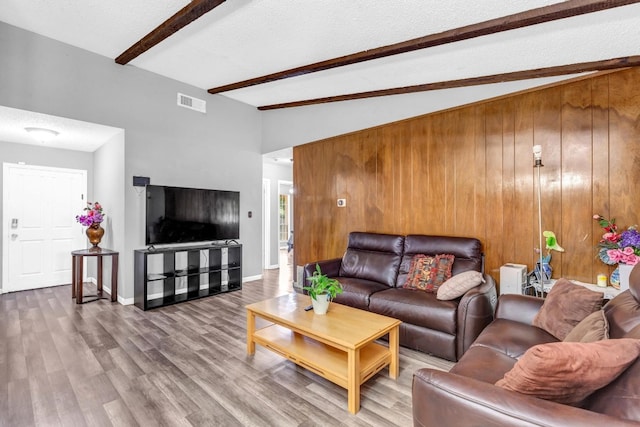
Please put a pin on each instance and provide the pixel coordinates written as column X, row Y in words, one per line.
column 618, row 248
column 93, row 215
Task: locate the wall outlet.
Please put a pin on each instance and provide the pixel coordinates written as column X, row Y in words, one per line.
column 342, row 203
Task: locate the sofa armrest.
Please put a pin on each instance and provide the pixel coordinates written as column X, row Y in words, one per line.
column 442, row 399
column 475, row 312
column 518, row 308
column 330, row 267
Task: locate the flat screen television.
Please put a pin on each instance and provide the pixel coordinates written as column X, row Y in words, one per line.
column 182, row 215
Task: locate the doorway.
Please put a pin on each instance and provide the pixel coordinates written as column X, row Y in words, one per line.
column 285, row 222
column 39, row 207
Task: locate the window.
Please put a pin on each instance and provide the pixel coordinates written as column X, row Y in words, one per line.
column 283, row 214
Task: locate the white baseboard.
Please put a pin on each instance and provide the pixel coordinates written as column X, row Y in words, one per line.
column 252, row 278
column 120, row 299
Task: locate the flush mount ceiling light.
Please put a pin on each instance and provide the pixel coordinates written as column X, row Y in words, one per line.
column 41, row 134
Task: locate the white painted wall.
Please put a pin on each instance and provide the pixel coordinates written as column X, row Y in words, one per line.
column 109, row 190
column 173, row 146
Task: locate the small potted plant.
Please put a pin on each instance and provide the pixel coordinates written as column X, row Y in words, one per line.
column 322, row 290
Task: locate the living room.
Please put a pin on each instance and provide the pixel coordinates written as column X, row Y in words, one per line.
column 479, row 182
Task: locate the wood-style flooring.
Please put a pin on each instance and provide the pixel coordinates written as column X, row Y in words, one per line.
column 104, row 364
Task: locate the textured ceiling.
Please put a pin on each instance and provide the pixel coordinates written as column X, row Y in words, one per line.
column 72, row 134
column 241, row 39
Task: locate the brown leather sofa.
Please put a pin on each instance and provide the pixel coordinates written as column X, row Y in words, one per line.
column 374, row 269
column 467, row 396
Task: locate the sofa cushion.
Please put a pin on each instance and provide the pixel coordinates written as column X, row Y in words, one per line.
column 356, row 292
column 372, row 256
column 569, row 372
column 484, row 364
column 621, row 398
column 565, row 306
column 427, row 272
column 623, row 314
column 459, row 284
column 592, row 328
column 511, row 337
column 418, row 308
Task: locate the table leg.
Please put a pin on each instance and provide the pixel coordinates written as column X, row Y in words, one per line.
column 251, row 328
column 99, row 261
column 394, row 349
column 353, row 380
column 80, row 281
column 74, row 276
column 114, row 278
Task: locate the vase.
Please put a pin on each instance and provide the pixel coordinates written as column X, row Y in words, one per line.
column 321, row 303
column 547, row 272
column 614, row 279
column 95, row 233
column 625, row 270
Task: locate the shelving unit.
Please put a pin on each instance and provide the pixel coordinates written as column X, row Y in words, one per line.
column 168, row 276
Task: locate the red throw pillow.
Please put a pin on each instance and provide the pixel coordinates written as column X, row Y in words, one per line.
column 427, row 273
column 568, row 372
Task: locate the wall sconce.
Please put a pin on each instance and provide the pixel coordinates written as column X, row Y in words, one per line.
column 41, row 134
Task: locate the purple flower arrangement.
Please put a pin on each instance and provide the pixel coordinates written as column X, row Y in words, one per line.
column 618, row 248
column 93, row 215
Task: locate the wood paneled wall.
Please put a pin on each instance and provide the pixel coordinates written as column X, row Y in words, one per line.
column 469, row 172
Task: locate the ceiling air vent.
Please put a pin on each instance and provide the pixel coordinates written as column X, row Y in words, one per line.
column 192, row 103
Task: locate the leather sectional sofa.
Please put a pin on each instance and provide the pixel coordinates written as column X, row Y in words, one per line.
column 374, row 269
column 467, row 396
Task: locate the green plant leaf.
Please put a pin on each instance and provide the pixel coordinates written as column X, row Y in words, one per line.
column 321, row 284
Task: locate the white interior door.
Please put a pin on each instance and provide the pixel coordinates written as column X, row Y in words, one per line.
column 40, row 231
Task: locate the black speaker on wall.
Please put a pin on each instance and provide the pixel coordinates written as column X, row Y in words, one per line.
column 141, row 181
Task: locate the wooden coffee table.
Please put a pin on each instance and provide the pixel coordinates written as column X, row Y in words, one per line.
column 338, row 346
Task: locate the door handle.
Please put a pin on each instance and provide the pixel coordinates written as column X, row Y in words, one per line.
column 14, row 236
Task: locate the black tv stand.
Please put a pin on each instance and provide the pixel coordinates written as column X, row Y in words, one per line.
column 164, row 276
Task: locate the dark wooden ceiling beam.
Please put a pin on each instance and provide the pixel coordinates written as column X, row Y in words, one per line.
column 540, row 15
column 608, row 64
column 179, row 20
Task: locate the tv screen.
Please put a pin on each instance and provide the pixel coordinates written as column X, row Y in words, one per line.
column 181, row 215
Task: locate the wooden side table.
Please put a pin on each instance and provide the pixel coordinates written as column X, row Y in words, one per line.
column 77, row 258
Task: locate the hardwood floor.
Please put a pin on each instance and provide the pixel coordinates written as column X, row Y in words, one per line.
column 104, row 364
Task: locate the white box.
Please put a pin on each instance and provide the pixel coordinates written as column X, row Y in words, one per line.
column 512, row 278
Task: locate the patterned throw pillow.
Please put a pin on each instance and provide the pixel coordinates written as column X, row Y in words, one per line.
column 427, row 273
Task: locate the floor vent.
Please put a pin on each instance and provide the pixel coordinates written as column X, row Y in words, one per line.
column 192, row 103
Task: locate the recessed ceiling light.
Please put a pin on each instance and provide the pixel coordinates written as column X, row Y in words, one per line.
column 41, row 134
